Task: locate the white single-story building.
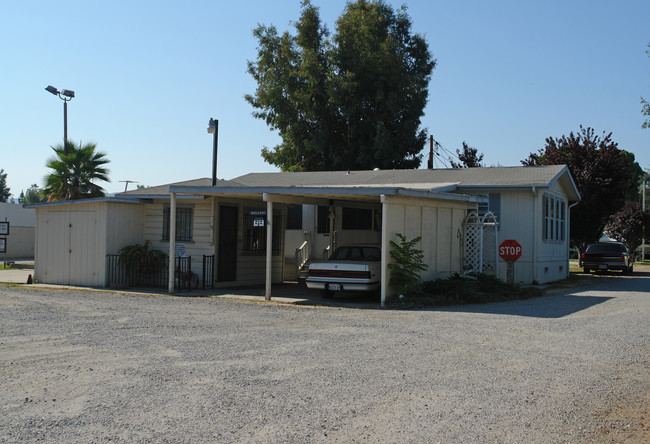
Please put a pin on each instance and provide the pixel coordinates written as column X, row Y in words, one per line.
column 310, row 212
column 19, row 243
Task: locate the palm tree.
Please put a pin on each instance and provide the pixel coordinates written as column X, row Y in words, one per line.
column 73, row 172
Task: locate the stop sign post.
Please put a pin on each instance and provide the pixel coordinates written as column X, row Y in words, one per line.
column 510, row 251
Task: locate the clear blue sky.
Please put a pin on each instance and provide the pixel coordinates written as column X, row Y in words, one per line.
column 149, row 75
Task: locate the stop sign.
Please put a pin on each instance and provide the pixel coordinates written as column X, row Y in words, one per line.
column 510, row 250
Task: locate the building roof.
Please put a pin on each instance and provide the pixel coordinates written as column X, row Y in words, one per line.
column 439, row 180
column 518, row 176
column 163, row 190
column 438, row 184
column 434, row 183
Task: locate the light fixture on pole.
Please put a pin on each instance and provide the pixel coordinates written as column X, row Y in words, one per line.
column 213, row 128
column 66, row 95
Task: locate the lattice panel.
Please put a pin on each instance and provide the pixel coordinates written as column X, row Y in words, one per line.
column 472, row 228
column 481, row 236
column 490, row 242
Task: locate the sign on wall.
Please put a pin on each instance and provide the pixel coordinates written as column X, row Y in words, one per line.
column 4, row 228
column 180, row 250
column 259, row 217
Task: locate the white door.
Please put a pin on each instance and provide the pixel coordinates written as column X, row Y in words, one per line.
column 69, row 249
column 53, row 261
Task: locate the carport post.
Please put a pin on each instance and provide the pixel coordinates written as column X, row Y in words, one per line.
column 384, row 249
column 172, row 241
column 269, row 248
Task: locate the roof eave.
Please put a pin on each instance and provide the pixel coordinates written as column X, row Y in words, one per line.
column 127, row 200
column 518, row 187
column 563, row 172
column 326, row 191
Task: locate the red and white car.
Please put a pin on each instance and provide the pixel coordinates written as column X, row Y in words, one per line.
column 350, row 268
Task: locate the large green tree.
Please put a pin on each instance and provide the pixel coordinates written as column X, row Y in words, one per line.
column 4, row 189
column 74, row 171
column 352, row 101
column 605, row 176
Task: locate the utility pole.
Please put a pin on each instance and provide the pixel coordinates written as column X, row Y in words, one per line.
column 643, row 215
column 430, row 161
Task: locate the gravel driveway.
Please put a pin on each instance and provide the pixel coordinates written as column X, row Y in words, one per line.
column 98, row 367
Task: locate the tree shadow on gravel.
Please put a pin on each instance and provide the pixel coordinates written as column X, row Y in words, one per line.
column 549, row 307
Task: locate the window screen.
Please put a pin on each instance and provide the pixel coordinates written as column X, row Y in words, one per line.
column 294, row 217
column 356, row 219
column 184, row 223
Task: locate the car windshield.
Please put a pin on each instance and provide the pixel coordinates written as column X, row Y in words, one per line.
column 356, row 253
column 604, row 249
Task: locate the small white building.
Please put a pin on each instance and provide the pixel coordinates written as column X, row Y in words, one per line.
column 311, row 212
column 20, row 240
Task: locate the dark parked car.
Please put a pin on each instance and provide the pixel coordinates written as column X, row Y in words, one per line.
column 607, row 256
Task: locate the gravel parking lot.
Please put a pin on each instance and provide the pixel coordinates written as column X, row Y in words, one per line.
column 85, row 366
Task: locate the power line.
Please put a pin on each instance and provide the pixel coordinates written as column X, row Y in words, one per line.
column 441, row 159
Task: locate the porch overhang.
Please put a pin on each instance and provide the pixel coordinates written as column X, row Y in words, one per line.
column 324, row 194
column 328, row 195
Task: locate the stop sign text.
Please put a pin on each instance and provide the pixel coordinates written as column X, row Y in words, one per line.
column 510, row 250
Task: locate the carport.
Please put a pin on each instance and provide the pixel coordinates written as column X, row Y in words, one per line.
column 413, row 210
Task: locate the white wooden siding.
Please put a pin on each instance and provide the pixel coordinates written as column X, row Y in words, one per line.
column 438, row 222
column 124, row 226
column 540, row 261
column 553, row 258
column 201, row 243
column 517, row 223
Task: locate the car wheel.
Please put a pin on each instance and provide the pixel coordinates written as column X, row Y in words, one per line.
column 587, row 270
column 327, row 294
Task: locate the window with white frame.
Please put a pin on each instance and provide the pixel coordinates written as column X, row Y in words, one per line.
column 554, row 218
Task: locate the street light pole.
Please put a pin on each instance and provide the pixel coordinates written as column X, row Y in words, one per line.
column 65, row 120
column 213, row 128
column 66, row 95
column 643, row 215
